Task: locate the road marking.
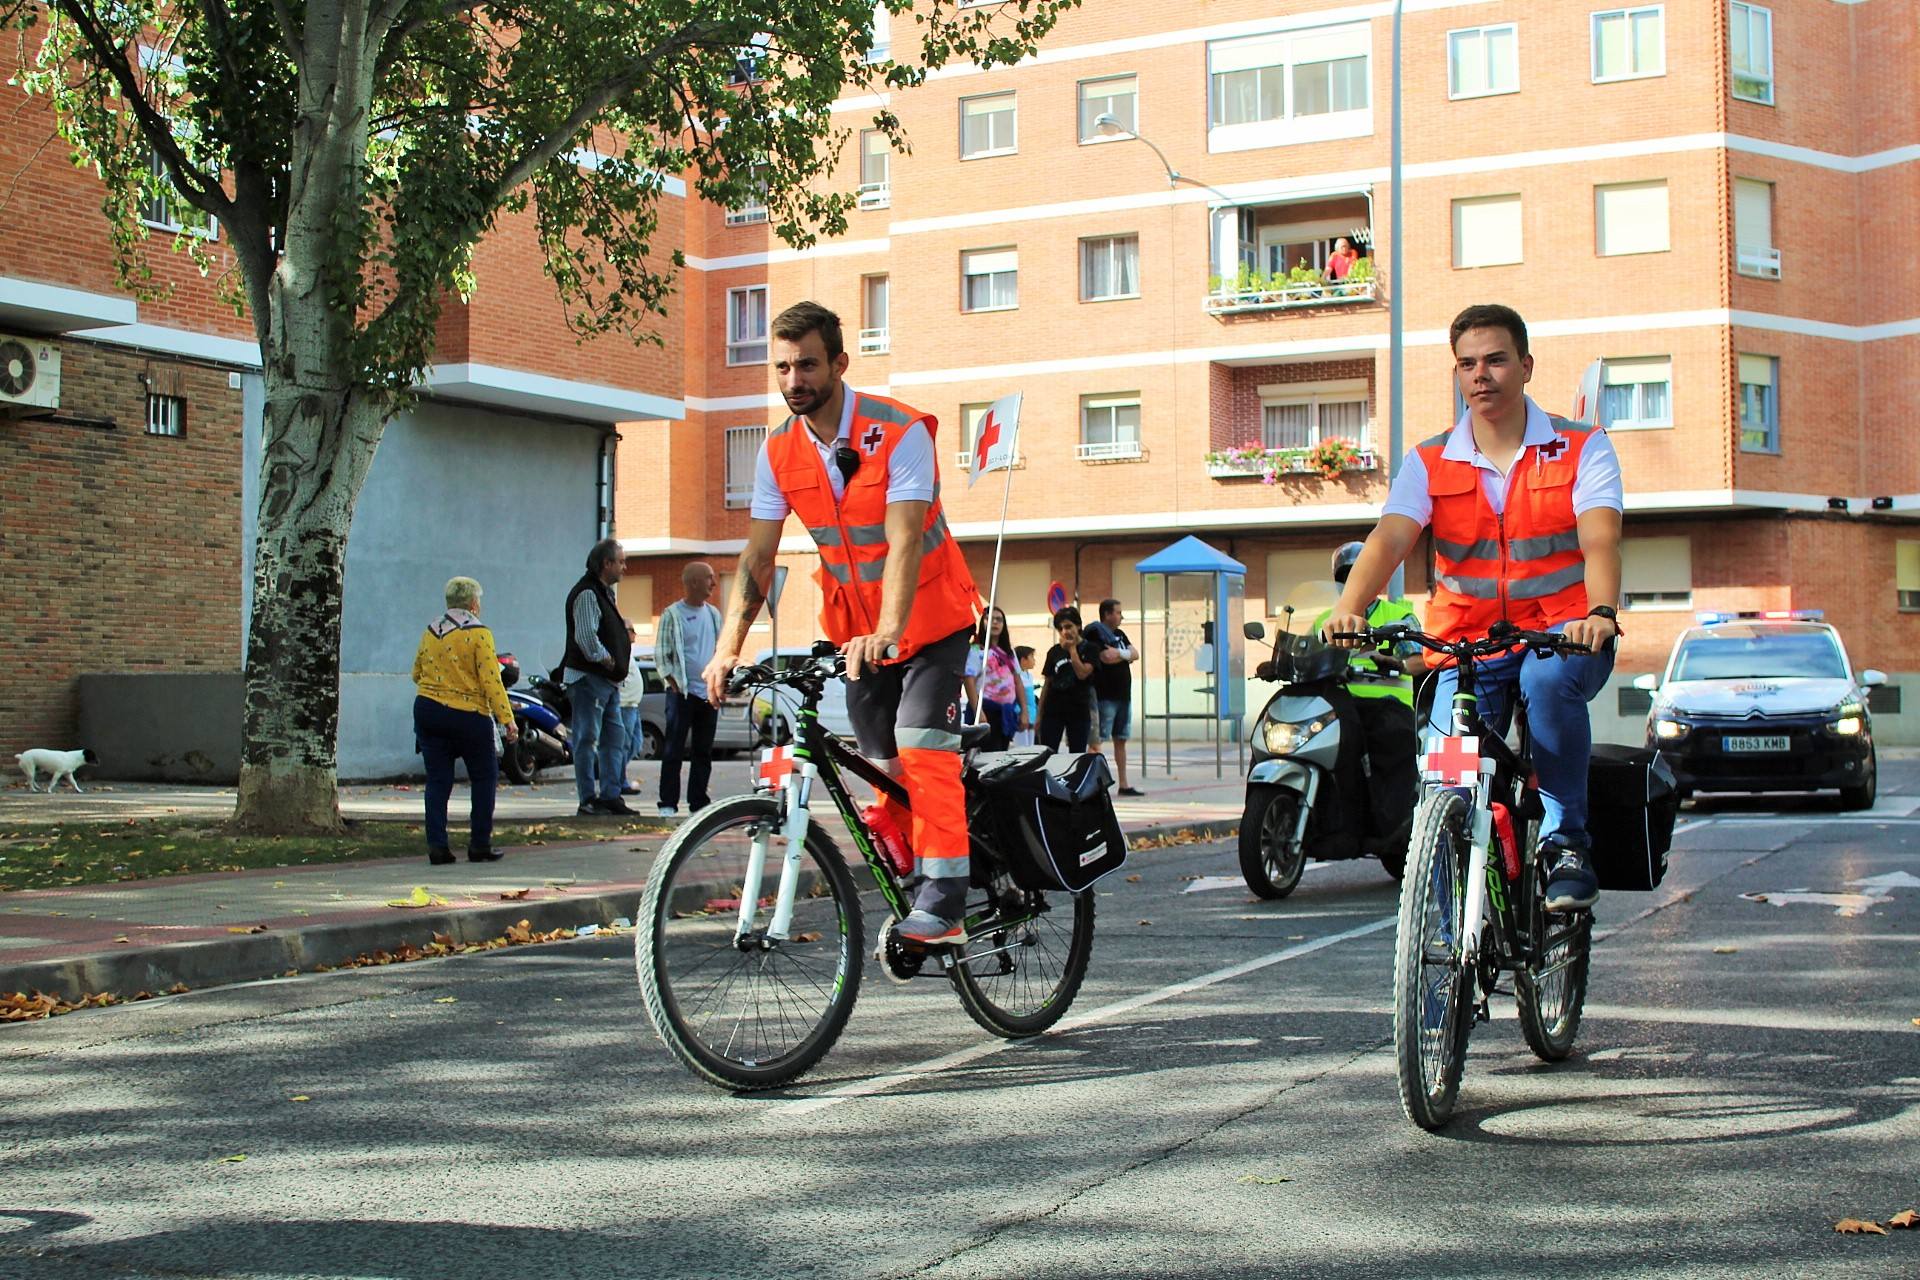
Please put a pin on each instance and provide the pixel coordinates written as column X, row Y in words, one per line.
column 878, row 1084
column 1206, row 884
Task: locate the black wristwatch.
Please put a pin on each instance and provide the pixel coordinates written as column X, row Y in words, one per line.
column 1606, row 611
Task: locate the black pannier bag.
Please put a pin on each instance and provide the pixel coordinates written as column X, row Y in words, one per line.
column 1051, row 820
column 1631, row 804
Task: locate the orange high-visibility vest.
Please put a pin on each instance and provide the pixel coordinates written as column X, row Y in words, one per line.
column 1524, row 565
column 852, row 535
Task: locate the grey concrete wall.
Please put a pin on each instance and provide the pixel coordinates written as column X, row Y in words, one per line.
column 508, row 500
column 160, row 727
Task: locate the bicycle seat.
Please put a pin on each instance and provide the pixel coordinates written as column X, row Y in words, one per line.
column 972, row 735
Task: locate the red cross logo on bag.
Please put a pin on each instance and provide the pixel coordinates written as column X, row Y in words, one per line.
column 1452, row 761
column 776, row 766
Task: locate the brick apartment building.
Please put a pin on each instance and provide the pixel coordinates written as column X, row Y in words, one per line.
column 129, row 447
column 1714, row 199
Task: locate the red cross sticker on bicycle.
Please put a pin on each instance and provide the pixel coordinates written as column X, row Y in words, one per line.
column 776, row 766
column 1452, row 761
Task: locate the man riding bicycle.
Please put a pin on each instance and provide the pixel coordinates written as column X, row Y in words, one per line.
column 1526, row 513
column 860, row 472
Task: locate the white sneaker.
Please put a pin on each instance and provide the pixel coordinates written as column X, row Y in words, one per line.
column 668, row 811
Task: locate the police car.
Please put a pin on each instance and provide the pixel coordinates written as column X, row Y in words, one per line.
column 1764, row 702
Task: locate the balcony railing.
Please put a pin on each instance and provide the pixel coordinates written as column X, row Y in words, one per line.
column 875, row 342
column 1107, row 451
column 1764, row 263
column 1229, row 300
column 1240, row 465
column 744, row 217
column 875, row 195
column 964, row 460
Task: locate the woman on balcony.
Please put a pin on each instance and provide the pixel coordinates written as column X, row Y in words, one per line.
column 1341, row 260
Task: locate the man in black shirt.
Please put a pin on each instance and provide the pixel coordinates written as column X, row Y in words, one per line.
column 1113, row 687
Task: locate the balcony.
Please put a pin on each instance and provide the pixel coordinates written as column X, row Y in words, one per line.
column 1762, row 263
column 875, row 342
column 1298, row 254
column 1268, row 465
column 1251, row 293
column 1109, row 451
column 875, row 195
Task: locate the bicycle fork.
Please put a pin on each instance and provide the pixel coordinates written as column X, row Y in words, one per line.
column 795, row 821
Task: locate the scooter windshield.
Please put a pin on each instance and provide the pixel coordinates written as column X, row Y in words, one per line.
column 1301, row 652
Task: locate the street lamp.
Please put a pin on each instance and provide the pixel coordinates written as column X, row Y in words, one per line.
column 1107, row 125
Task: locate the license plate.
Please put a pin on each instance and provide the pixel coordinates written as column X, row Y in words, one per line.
column 1752, row 742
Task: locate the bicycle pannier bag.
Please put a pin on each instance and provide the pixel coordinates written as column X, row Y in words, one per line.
column 1631, row 804
column 1052, row 821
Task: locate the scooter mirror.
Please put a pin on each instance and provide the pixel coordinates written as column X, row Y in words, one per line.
column 1254, row 631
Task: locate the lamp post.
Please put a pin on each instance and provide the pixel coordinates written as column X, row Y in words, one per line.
column 1396, row 309
column 1109, row 126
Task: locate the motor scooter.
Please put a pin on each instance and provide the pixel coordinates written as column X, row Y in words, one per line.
column 543, row 713
column 1311, row 790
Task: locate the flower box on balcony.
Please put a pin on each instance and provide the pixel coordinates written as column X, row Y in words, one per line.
column 1270, row 464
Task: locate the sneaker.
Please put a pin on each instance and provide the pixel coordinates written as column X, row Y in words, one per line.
column 615, row 806
column 668, row 810
column 1131, row 791
column 925, row 929
column 1571, row 884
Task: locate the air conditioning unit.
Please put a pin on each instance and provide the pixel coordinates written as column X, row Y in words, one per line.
column 29, row 375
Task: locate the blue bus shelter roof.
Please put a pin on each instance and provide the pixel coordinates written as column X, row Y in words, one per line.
column 1190, row 555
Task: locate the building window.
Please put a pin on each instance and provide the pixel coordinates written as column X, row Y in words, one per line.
column 754, row 207
column 1116, row 96
column 1483, row 61
column 1750, row 41
column 1906, row 574
column 746, row 63
column 747, row 325
column 989, row 279
column 1109, row 268
column 1315, row 83
column 743, row 451
column 1300, row 416
column 1631, row 218
column 876, row 338
column 1636, row 393
column 1656, row 573
column 1109, row 426
column 166, row 415
column 1629, row 44
column 1486, row 231
column 1760, row 404
column 987, row 126
column 168, row 210
column 1754, row 253
column 882, row 34
column 876, row 170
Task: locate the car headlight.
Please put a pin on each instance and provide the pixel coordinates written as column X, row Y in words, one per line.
column 1849, row 726
column 1284, row 738
column 1670, row 730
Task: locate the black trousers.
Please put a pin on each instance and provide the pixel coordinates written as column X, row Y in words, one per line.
column 1072, row 718
column 443, row 735
column 690, row 725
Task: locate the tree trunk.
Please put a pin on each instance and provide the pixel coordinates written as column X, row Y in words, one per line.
column 318, row 446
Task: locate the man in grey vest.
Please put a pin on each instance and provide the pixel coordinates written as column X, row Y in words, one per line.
column 596, row 658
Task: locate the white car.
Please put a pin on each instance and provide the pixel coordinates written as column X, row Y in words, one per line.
column 776, row 710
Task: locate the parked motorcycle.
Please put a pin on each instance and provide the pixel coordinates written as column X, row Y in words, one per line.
column 1311, row 791
column 543, row 712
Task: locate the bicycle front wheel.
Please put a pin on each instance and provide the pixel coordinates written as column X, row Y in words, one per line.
column 1432, row 985
column 1019, row 979
column 1550, row 990
column 743, row 1010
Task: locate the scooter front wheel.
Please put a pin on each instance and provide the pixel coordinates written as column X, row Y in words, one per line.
column 1271, row 859
column 520, row 759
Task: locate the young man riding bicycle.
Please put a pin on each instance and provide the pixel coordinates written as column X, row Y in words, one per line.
column 860, row 472
column 1526, row 513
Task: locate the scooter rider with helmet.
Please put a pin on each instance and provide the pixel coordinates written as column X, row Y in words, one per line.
column 1383, row 698
column 1387, row 683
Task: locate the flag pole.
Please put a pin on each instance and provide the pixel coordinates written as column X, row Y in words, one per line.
column 993, row 583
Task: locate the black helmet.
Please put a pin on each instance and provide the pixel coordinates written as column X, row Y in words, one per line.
column 1343, row 559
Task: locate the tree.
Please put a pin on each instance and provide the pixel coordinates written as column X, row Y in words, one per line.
column 355, row 151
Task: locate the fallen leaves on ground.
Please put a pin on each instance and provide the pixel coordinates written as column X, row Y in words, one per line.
column 1859, row 1227
column 299, row 1097
column 1905, row 1220
column 239, row 1158
column 1146, row 922
column 418, row 898
column 1725, row 951
column 1133, row 879
column 246, row 928
column 446, row 999
column 514, row 895
column 1167, row 839
column 1265, row 1179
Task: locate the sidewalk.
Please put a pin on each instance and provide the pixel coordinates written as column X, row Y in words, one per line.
column 207, row 930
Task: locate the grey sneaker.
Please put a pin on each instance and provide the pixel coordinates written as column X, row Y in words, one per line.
column 1571, row 884
column 925, row 929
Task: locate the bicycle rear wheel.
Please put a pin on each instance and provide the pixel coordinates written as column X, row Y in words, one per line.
column 1432, row 985
column 1017, row 980
column 1550, row 991
column 753, row 1012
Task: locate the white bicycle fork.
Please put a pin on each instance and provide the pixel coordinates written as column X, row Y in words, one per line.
column 796, row 792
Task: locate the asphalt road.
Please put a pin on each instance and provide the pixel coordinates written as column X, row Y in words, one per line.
column 1749, row 1073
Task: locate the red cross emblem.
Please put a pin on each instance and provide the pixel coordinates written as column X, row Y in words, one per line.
column 1553, row 448
column 989, row 436
column 776, row 765
column 1453, row 761
column 872, row 439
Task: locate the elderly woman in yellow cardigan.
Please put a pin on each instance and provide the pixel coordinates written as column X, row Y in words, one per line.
column 460, row 698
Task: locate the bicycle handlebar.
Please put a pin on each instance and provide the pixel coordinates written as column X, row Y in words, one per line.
column 810, row 673
column 1502, row 637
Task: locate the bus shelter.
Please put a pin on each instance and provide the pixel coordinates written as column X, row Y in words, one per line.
column 1199, row 593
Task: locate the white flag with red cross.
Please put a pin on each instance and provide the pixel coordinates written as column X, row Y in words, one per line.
column 994, row 440
column 1453, row 762
column 776, row 766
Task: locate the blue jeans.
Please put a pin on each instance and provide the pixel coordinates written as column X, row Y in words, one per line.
column 630, row 723
column 442, row 735
column 1556, row 691
column 599, row 740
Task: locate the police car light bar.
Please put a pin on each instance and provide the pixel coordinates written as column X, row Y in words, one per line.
column 1766, row 615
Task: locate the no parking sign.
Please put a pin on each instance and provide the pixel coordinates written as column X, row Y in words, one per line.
column 1056, row 597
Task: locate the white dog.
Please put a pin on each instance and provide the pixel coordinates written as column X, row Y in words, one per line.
column 56, row 763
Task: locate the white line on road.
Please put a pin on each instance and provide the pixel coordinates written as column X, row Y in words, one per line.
column 960, row 1058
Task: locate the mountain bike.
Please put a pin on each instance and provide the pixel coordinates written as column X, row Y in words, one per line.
column 1472, row 901
column 751, row 933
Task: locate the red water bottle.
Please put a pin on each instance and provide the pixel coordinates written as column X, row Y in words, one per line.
column 1509, row 843
column 892, row 840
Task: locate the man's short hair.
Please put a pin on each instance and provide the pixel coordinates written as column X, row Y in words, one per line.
column 1068, row 614
column 604, row 550
column 686, row 574
column 1490, row 315
column 462, row 593
column 803, row 318
column 1023, row 651
column 1110, row 605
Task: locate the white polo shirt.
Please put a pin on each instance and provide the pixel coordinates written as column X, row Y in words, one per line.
column 910, row 469
column 1595, row 484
